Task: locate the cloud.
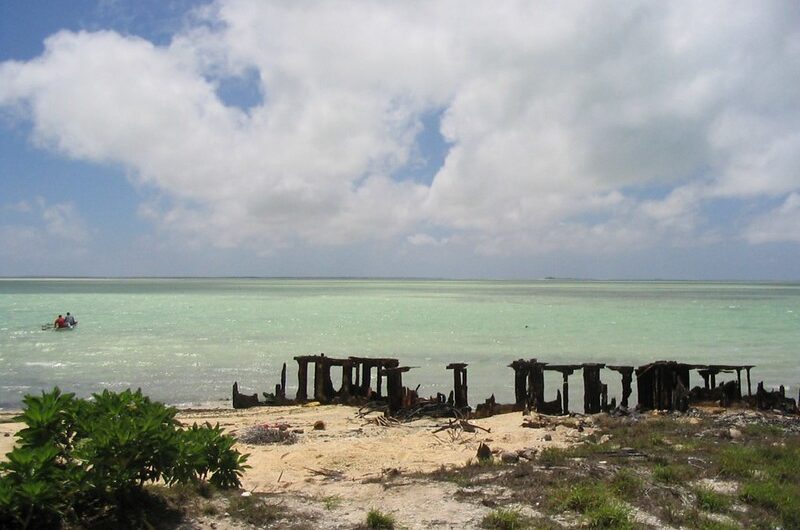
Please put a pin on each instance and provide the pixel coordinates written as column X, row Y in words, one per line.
column 63, row 221
column 47, row 230
column 560, row 119
column 779, row 225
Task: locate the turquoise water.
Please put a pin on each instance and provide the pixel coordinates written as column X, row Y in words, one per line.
column 185, row 341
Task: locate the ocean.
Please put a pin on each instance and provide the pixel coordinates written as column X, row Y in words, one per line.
column 185, row 341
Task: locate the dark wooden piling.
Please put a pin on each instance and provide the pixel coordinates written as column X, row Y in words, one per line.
column 243, row 401
column 520, row 367
column 592, row 388
column 627, row 379
column 282, row 394
column 302, row 377
column 394, row 387
column 566, row 370
column 535, row 385
column 459, row 384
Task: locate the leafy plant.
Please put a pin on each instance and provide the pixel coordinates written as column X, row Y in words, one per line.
column 378, row 520
column 77, row 458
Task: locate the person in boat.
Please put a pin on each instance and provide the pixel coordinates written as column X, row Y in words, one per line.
column 60, row 322
column 70, row 320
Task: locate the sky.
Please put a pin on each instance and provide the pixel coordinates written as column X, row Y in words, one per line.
column 445, row 139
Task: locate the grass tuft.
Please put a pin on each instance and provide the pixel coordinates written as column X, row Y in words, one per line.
column 331, row 502
column 378, row 520
column 711, row 501
column 609, row 515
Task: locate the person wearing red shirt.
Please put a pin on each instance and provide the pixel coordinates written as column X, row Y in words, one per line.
column 60, row 322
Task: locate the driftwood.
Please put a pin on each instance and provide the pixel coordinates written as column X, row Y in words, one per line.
column 463, row 425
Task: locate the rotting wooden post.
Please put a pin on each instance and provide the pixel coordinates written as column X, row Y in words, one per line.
column 459, row 384
column 302, row 379
column 535, row 393
column 704, row 374
column 739, row 383
column 520, row 367
column 319, row 380
column 592, row 388
column 347, row 380
column 566, row 370
column 243, row 401
column 366, row 377
column 749, row 388
column 379, row 381
column 604, row 397
column 283, row 383
column 627, row 379
column 394, row 387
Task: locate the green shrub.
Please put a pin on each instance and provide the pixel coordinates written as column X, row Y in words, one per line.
column 711, row 501
column 76, row 458
column 580, row 498
column 626, row 484
column 378, row 520
column 609, row 515
column 671, row 473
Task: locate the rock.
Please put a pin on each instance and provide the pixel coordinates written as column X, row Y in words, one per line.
column 508, row 457
column 484, row 453
column 548, row 438
column 605, row 438
column 527, row 454
column 319, row 425
column 297, row 431
column 734, row 434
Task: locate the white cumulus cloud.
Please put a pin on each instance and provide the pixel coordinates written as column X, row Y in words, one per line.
column 560, row 119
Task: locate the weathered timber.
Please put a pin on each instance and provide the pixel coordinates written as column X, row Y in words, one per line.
column 627, row 378
column 592, row 388
column 663, row 385
column 243, row 401
column 528, row 383
column 459, row 385
column 774, row 399
column 566, row 370
column 394, row 388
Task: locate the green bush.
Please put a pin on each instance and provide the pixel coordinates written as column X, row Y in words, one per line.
column 378, row 520
column 78, row 458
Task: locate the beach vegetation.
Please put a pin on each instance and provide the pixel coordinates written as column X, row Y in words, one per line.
column 79, row 459
column 609, row 515
column 378, row 520
column 654, row 465
column 671, row 473
column 626, row 483
column 254, row 510
column 505, row 519
column 711, row 501
column 552, row 456
column 595, row 502
column 331, row 502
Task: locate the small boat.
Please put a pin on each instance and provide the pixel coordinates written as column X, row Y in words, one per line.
column 47, row 327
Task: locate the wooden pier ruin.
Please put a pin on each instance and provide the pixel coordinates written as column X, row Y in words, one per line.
column 661, row 385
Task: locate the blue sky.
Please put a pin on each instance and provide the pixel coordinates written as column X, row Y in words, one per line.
column 238, row 137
